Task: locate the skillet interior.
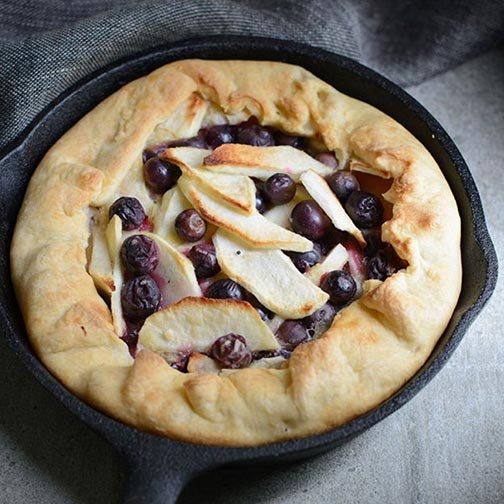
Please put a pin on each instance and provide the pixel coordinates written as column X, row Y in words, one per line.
column 158, row 466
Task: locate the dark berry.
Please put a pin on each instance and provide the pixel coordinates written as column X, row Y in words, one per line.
column 181, row 363
column 327, row 158
column 309, row 220
column 190, row 226
column 283, row 352
column 379, row 268
column 365, row 209
column 319, row 321
column 204, row 259
column 218, row 135
column 130, row 211
column 261, row 201
column 290, row 140
column 154, row 151
column 140, row 298
column 139, row 254
column 305, row 260
column 265, row 314
column 130, row 337
column 373, row 241
column 342, row 183
column 265, row 354
column 252, row 134
column 226, row 289
column 160, row 175
column 331, row 239
column 280, row 188
column 231, row 351
column 291, row 333
column 340, row 286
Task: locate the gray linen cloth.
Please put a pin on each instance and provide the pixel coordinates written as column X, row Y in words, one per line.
column 46, row 46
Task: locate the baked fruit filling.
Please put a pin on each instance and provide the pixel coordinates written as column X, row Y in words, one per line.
column 231, row 248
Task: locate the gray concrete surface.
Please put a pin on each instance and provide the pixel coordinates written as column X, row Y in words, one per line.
column 444, row 446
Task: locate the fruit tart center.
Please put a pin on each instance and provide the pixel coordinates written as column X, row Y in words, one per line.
column 237, row 245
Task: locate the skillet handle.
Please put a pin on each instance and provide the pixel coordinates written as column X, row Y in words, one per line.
column 152, row 482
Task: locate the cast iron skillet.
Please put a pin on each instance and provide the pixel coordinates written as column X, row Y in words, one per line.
column 157, row 468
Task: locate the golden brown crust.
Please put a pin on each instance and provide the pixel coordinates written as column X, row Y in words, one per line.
column 374, row 345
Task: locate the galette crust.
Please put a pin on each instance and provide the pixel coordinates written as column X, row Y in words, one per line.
column 374, row 345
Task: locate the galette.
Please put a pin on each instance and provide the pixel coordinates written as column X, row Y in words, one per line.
column 235, row 253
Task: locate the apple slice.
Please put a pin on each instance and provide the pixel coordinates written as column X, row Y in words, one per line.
column 195, row 323
column 186, row 157
column 336, row 259
column 100, row 263
column 270, row 276
column 172, row 203
column 323, row 195
column 113, row 234
column 254, row 228
column 262, row 162
column 174, row 273
column 238, row 190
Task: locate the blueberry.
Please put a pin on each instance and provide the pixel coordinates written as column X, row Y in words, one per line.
column 292, row 333
column 340, row 286
column 252, row 134
column 231, row 351
column 342, row 183
column 309, row 220
column 290, row 140
column 130, row 337
column 264, row 354
column 139, row 254
column 204, row 259
column 226, row 289
column 190, row 226
column 280, row 188
column 130, row 211
column 365, row 209
column 373, row 241
column 305, row 260
column 160, row 175
column 218, row 135
column 265, row 314
column 320, row 320
column 331, row 239
column 261, row 201
column 181, row 363
column 378, row 267
column 327, row 158
column 154, row 151
column 140, row 297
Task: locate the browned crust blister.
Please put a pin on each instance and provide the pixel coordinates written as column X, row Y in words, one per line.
column 374, row 345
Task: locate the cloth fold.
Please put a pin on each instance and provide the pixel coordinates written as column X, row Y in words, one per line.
column 46, row 46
